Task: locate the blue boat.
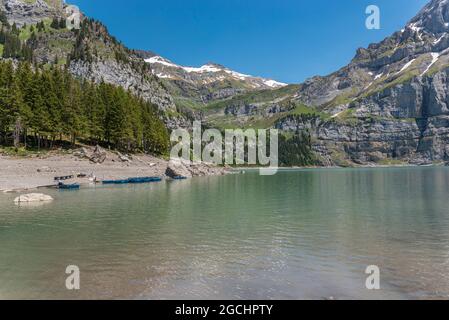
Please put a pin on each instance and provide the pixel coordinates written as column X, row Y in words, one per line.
column 179, row 178
column 121, row 181
column 144, row 179
column 115, row 181
column 74, row 186
column 133, row 180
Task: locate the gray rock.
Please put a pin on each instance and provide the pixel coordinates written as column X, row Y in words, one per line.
column 123, row 157
column 32, row 197
column 98, row 156
column 30, row 12
column 178, row 168
column 81, row 153
column 111, row 71
column 45, row 169
column 181, row 168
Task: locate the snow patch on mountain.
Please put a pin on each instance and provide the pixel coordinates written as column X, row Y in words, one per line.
column 439, row 39
column 435, row 56
column 213, row 70
column 405, row 67
column 160, row 60
column 274, row 84
column 203, row 69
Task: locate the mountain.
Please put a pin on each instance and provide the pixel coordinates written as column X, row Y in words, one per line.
column 60, row 86
column 205, row 84
column 388, row 105
column 390, row 102
column 207, row 74
column 90, row 53
column 412, row 51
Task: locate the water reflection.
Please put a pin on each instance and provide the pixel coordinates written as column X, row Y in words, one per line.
column 299, row 234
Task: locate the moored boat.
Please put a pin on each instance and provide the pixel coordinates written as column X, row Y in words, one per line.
column 73, row 186
column 123, row 181
column 144, row 179
column 133, row 180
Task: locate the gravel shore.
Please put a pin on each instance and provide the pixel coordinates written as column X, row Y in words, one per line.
column 19, row 173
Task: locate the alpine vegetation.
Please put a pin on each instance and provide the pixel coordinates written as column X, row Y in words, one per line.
column 238, row 147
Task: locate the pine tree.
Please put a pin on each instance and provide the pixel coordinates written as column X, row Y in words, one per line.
column 24, row 76
column 15, row 30
column 40, row 26
column 51, row 103
column 2, row 36
column 62, row 23
column 94, row 110
column 16, row 110
column 55, row 23
column 5, row 81
column 3, row 19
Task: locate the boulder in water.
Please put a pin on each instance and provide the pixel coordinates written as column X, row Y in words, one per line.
column 176, row 168
column 33, row 197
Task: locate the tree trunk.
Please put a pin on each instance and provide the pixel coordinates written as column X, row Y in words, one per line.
column 16, row 134
column 25, row 132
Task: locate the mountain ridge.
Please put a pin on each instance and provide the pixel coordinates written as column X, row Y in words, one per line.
column 90, row 53
column 199, row 86
column 210, row 67
column 390, row 104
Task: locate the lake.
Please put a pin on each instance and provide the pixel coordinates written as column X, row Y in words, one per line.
column 301, row 234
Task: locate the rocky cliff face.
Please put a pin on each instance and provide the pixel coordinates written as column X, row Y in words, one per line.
column 122, row 74
column 407, row 122
column 416, row 50
column 389, row 105
column 31, row 11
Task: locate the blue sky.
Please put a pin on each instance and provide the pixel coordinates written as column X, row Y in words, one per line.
column 287, row 40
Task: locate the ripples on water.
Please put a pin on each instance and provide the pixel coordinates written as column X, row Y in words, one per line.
column 300, row 234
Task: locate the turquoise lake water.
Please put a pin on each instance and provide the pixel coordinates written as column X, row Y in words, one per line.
column 301, row 234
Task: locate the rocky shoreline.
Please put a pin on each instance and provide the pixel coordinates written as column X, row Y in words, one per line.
column 27, row 173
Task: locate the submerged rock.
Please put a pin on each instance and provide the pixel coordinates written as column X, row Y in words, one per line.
column 33, row 197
